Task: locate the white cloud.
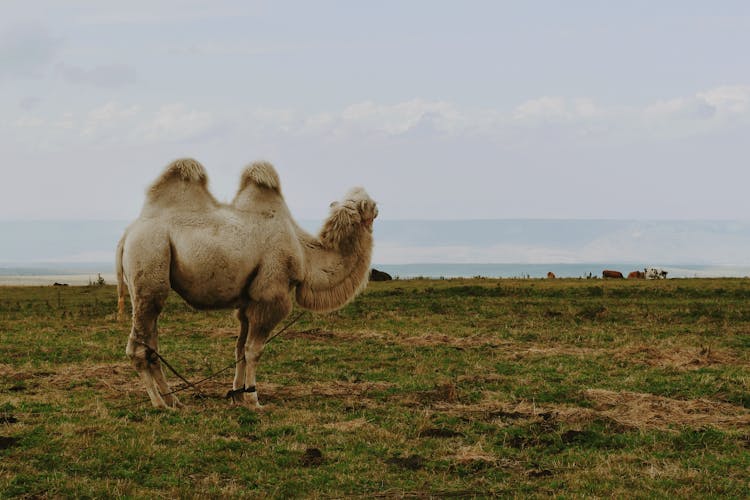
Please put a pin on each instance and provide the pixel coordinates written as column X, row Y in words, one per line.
column 112, row 123
column 543, row 119
column 557, row 108
column 110, row 118
column 175, row 122
column 682, row 108
column 401, row 117
column 728, row 98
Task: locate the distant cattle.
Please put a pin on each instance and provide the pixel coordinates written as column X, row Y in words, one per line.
column 376, row 275
column 653, row 273
column 551, row 275
column 639, row 275
column 612, row 274
column 59, row 284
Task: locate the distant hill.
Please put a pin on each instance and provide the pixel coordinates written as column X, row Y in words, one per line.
column 85, row 245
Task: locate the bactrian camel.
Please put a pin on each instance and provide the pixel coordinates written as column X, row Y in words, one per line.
column 249, row 255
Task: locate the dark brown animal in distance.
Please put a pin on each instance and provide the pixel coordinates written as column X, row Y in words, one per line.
column 611, row 274
column 551, row 275
column 639, row 275
column 376, row 275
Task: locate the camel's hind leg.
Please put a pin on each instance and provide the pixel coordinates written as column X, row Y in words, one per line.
column 239, row 356
column 143, row 346
column 263, row 317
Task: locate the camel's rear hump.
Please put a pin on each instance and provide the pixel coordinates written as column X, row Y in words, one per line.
column 260, row 189
column 182, row 185
column 262, row 174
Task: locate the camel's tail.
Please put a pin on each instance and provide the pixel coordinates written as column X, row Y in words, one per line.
column 121, row 288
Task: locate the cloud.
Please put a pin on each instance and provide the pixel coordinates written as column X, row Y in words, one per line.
column 733, row 99
column 113, row 123
column 557, row 108
column 548, row 119
column 108, row 76
column 175, row 123
column 110, row 118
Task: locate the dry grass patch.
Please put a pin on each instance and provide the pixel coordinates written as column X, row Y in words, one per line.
column 676, row 357
column 118, row 377
column 560, row 350
column 473, row 454
column 442, row 340
column 348, row 425
column 647, row 411
column 625, row 409
column 337, row 389
column 364, row 426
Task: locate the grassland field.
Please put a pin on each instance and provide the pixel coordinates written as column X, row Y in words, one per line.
column 418, row 388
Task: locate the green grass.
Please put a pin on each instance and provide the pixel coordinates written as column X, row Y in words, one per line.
column 417, row 388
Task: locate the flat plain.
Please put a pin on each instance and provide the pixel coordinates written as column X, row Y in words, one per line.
column 418, row 388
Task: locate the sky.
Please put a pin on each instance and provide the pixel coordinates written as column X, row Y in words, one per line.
column 634, row 110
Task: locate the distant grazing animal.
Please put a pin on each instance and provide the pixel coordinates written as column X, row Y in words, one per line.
column 611, row 274
column 639, row 275
column 249, row 255
column 376, row 275
column 653, row 273
column 59, row 284
column 550, row 275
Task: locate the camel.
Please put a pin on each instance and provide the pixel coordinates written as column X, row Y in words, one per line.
column 248, row 255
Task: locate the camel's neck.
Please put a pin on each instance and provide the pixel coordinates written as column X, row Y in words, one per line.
column 334, row 274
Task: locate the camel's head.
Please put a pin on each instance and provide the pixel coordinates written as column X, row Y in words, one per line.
column 348, row 216
column 358, row 206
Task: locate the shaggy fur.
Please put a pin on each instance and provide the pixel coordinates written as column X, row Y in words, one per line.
column 262, row 174
column 247, row 255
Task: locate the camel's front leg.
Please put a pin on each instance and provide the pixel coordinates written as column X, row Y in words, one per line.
column 239, row 356
column 253, row 351
column 263, row 317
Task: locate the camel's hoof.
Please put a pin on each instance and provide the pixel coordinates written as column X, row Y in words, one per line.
column 256, row 407
column 173, row 403
column 250, row 405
